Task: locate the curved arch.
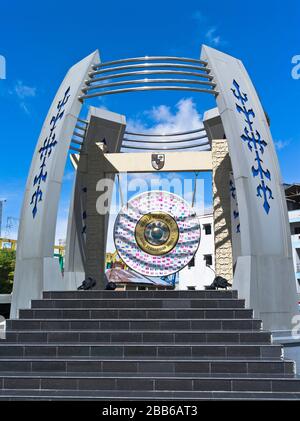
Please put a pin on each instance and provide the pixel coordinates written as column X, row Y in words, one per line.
column 265, row 257
column 35, row 267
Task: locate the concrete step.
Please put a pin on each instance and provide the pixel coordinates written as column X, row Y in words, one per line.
column 148, row 365
column 136, row 395
column 133, row 324
column 142, row 345
column 126, row 382
column 138, row 303
column 139, row 336
column 141, row 350
column 94, row 294
column 145, row 313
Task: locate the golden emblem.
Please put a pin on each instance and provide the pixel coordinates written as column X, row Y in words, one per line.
column 156, row 233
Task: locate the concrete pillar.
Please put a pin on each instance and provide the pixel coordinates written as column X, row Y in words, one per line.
column 104, row 135
column 96, row 224
column 221, row 209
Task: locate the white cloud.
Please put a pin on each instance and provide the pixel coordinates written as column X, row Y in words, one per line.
column 281, row 144
column 24, row 91
column 24, row 108
column 166, row 121
column 186, row 117
column 213, row 38
column 206, row 29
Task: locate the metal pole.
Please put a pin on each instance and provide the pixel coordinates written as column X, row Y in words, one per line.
column 195, row 190
column 2, row 201
column 120, row 190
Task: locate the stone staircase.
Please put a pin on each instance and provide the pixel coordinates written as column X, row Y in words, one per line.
column 142, row 345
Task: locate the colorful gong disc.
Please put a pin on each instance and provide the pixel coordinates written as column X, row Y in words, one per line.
column 157, row 233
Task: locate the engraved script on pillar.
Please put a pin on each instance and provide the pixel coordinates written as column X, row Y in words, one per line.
column 235, row 211
column 256, row 145
column 45, row 152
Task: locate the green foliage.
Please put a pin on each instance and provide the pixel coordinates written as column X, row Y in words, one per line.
column 7, row 267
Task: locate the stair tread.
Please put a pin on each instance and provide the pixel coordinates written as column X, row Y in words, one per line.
column 160, row 292
column 131, row 319
column 133, row 344
column 146, row 359
column 144, row 395
column 153, row 375
column 137, row 309
column 142, row 299
column 143, row 331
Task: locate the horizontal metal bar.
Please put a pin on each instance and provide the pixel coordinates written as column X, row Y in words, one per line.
column 165, row 149
column 166, row 135
column 140, row 81
column 149, row 88
column 148, row 72
column 78, row 135
column 151, row 58
column 72, row 148
column 139, row 66
column 166, row 141
column 83, row 121
column 76, row 141
column 80, row 128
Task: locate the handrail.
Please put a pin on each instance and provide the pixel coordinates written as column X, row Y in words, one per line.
column 148, row 72
column 149, row 58
column 132, row 72
column 166, row 135
column 164, row 148
column 148, row 88
column 166, row 141
column 76, row 142
column 139, row 81
column 149, row 65
column 82, row 121
column 80, row 128
column 72, row 148
column 195, row 74
column 79, row 135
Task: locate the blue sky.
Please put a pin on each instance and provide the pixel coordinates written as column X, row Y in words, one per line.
column 40, row 41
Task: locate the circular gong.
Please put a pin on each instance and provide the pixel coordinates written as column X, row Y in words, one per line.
column 156, row 233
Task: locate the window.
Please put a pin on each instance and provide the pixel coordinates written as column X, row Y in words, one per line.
column 297, row 230
column 208, row 259
column 191, row 263
column 207, row 229
column 191, row 288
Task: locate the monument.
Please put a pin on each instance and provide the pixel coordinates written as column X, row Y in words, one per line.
column 251, row 223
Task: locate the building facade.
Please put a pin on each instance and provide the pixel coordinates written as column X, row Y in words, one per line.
column 204, row 261
column 200, row 271
column 294, row 217
column 292, row 192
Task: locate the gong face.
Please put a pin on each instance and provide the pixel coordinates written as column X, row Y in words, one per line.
column 157, row 233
